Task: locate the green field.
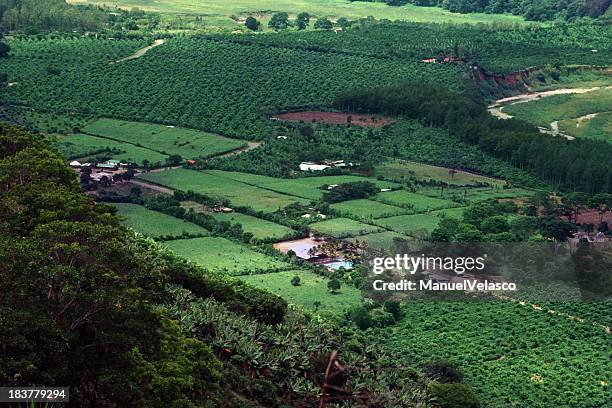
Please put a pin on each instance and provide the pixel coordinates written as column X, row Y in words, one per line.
column 223, row 255
column 369, row 209
column 312, row 288
column 305, row 187
column 239, row 194
column 513, row 355
column 400, row 169
column 218, row 12
column 83, row 146
column 475, row 195
column 188, row 143
column 155, row 224
column 543, row 111
column 261, row 229
column 418, row 224
column 342, row 227
column 598, row 127
column 417, row 203
column 379, row 240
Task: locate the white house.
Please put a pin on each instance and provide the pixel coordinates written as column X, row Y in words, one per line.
column 307, row 166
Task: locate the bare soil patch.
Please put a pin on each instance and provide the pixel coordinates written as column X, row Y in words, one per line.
column 334, row 118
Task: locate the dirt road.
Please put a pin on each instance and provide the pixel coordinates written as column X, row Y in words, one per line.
column 141, row 51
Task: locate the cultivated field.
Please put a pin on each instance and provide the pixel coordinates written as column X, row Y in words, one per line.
column 379, row 240
column 367, row 209
column 506, row 351
column 187, row 143
column 222, row 255
column 418, row 224
column 155, row 224
column 86, row 146
column 400, row 169
column 343, row 227
column 416, row 203
column 312, row 288
column 261, row 229
column 238, row 193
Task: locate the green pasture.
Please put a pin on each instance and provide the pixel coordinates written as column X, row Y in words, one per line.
column 312, row 288
column 169, row 140
column 343, row 227
column 239, row 194
column 543, row 111
column 219, row 12
column 418, row 224
column 223, row 255
column 598, row 127
column 260, row 228
column 83, row 146
column 400, row 169
column 417, row 203
column 475, row 194
column 365, row 208
column 155, row 224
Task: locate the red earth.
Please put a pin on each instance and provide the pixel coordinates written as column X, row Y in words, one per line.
column 334, row 118
column 593, row 217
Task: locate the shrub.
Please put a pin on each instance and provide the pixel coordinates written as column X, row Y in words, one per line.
column 453, row 395
column 443, row 371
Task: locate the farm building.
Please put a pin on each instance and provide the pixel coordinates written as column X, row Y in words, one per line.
column 307, row 166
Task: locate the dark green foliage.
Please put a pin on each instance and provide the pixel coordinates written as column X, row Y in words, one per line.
column 302, row 21
column 333, row 285
column 279, row 21
column 453, row 395
column 350, row 191
column 323, row 23
column 79, row 294
column 252, row 23
column 443, row 372
column 295, row 281
column 36, row 16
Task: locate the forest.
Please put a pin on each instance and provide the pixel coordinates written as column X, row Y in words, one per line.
column 536, row 10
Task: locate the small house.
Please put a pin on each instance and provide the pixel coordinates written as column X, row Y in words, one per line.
column 307, row 166
column 75, row 163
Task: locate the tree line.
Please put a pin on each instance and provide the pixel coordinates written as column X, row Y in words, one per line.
column 581, row 164
column 535, row 10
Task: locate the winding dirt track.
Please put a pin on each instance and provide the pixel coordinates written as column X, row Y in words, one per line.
column 495, row 108
column 141, row 51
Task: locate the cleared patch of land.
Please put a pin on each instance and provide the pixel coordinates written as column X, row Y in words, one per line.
column 365, row 208
column 155, row 224
column 238, row 193
column 87, row 146
column 313, row 188
column 142, row 51
column 400, row 169
column 223, row 255
column 187, row 143
column 415, row 202
column 312, row 288
column 343, row 227
column 334, row 118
